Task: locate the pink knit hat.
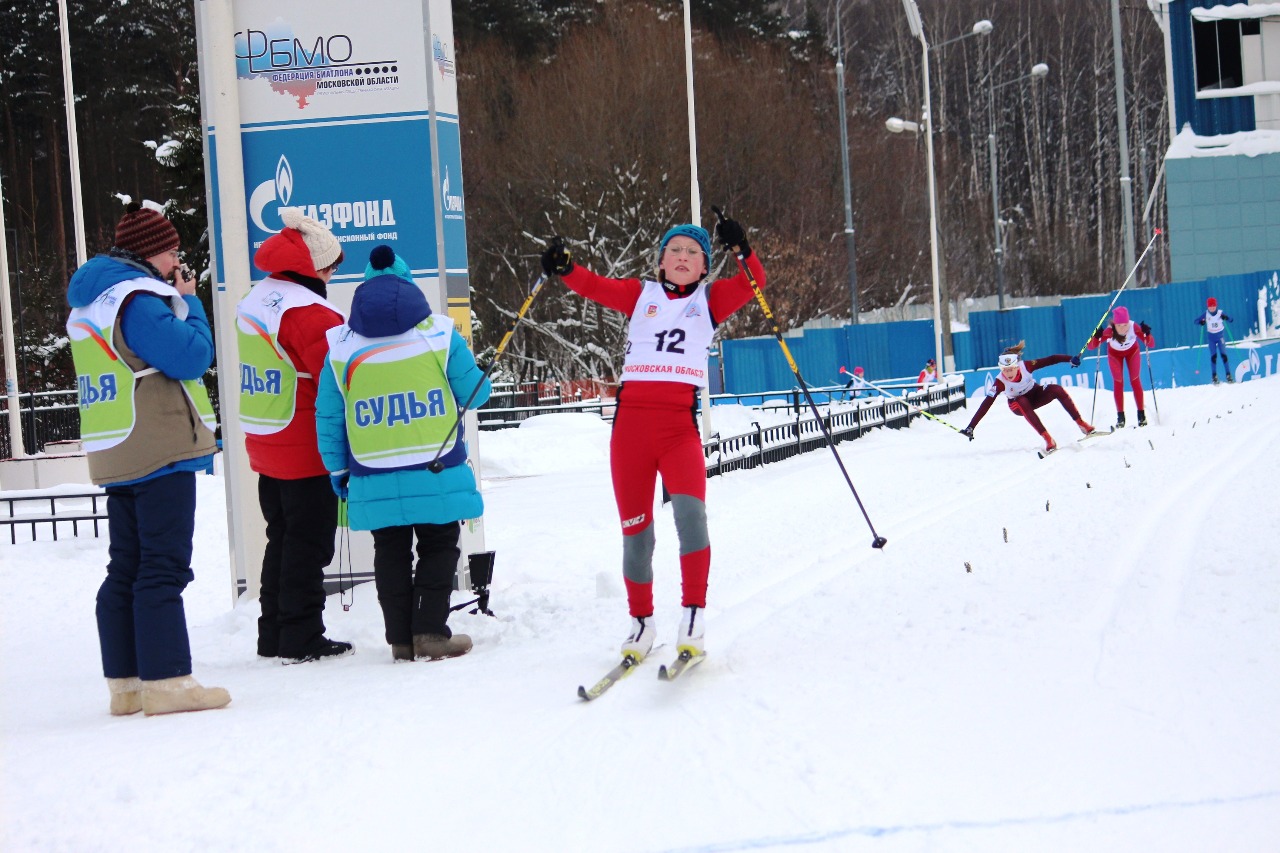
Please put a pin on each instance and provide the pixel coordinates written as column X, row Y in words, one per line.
column 1120, row 315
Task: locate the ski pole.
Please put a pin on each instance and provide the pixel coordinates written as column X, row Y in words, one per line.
column 1097, row 380
column 910, row 407
column 1200, row 354
column 434, row 466
column 877, row 541
column 1151, row 380
column 1102, row 320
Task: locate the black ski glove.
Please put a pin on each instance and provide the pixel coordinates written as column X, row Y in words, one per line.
column 1075, row 361
column 557, row 260
column 967, row 432
column 1146, row 330
column 1200, row 321
column 730, row 234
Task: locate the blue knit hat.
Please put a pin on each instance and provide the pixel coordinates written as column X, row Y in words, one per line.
column 384, row 261
column 693, row 232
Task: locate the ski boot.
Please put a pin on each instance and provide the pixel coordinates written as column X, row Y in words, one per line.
column 1085, row 427
column 1119, row 420
column 640, row 640
column 1215, row 378
column 1049, row 444
column 1142, row 417
column 1231, row 380
column 692, row 628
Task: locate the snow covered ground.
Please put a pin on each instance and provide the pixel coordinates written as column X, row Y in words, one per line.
column 1073, row 654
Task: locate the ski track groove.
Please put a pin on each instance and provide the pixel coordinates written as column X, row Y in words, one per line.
column 1156, row 551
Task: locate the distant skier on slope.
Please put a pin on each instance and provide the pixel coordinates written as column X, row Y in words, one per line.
column 1215, row 322
column 1026, row 395
column 1122, row 337
column 672, row 319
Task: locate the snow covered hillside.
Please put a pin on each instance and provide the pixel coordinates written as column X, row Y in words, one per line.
column 1079, row 653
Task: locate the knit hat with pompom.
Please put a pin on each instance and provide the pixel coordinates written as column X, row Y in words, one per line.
column 323, row 246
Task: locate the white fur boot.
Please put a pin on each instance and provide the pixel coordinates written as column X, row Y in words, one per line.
column 126, row 696
column 184, row 693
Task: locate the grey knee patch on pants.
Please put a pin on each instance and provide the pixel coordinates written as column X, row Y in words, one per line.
column 691, row 523
column 637, row 556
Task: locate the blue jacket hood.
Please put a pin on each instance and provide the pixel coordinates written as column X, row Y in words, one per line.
column 99, row 273
column 387, row 305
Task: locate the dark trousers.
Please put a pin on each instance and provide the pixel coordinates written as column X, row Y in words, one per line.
column 415, row 602
column 142, row 626
column 302, row 518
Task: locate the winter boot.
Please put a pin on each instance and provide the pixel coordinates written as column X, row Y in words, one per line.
column 1119, row 420
column 401, row 651
column 322, row 648
column 690, row 637
column 1049, row 444
column 438, row 646
column 1142, row 417
column 184, row 693
column 126, row 696
column 1085, row 427
column 1231, row 379
column 640, row 640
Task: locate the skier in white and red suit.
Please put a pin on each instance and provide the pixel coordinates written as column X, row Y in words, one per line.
column 1026, row 394
column 655, row 431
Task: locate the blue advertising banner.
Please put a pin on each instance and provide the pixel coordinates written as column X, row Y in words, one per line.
column 340, row 175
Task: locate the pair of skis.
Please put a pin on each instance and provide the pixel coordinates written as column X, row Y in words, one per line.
column 684, row 662
column 1097, row 433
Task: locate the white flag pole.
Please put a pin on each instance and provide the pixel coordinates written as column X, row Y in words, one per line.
column 695, row 201
column 17, row 449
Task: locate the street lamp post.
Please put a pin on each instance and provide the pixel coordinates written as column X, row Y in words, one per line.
column 981, row 28
column 848, row 193
column 1038, row 70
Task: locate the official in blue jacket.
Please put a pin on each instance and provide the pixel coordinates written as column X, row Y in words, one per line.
column 390, row 395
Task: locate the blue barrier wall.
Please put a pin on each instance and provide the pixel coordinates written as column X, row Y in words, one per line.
column 898, row 350
column 1163, row 368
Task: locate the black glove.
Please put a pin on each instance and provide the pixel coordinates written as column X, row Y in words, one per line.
column 1146, row 330
column 1075, row 361
column 730, row 234
column 557, row 260
column 967, row 432
column 1200, row 321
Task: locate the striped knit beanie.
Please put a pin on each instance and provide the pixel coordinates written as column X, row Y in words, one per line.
column 145, row 232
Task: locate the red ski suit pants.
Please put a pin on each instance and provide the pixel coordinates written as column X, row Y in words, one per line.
column 1038, row 396
column 645, row 443
column 1117, row 361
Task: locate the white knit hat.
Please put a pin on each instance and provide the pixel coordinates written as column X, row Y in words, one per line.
column 323, row 246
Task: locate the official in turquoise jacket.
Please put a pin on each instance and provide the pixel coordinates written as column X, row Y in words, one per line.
column 392, row 492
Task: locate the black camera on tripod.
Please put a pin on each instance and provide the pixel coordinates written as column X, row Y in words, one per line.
column 480, row 572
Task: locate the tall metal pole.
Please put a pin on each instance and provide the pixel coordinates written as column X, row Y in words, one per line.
column 1126, row 183
column 695, row 199
column 848, row 192
column 995, row 213
column 933, row 214
column 73, row 144
column 17, row 449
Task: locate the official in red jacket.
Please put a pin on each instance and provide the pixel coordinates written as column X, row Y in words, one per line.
column 281, row 327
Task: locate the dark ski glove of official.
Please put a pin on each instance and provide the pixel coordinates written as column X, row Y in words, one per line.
column 967, row 432
column 731, row 234
column 557, row 260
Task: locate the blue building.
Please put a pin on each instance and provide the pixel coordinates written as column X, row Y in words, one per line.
column 1222, row 170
